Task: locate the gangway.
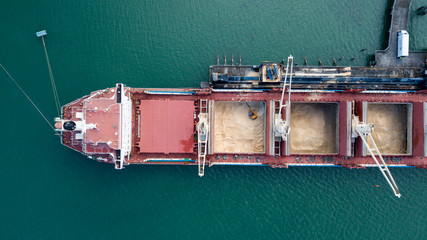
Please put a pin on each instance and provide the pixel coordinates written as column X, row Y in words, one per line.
column 282, row 127
column 202, row 136
column 364, row 130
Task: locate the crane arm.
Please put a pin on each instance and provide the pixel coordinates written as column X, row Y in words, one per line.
column 364, row 130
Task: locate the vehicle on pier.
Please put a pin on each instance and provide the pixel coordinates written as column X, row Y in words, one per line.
column 402, row 44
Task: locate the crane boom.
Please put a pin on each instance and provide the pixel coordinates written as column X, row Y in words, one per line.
column 202, row 136
column 282, row 127
column 364, row 130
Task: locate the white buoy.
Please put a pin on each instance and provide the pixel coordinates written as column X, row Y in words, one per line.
column 41, row 33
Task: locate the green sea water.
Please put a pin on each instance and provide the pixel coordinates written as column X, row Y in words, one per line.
column 51, row 192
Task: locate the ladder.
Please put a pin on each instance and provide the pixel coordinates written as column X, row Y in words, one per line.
column 277, row 148
column 203, row 106
column 364, row 130
column 277, row 137
column 282, row 127
column 202, row 136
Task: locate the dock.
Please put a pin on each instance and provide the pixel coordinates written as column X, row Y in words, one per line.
column 331, row 78
column 388, row 72
column 399, row 21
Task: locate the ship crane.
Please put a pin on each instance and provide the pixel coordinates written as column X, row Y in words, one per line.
column 282, row 124
column 202, row 136
column 364, row 130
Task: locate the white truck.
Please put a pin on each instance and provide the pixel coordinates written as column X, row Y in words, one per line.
column 402, row 44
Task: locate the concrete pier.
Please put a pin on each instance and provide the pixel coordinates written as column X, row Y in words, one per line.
column 399, row 21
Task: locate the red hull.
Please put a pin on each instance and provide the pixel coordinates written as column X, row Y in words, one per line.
column 177, row 109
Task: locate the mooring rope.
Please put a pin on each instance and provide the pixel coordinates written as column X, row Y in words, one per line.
column 29, row 99
column 52, row 80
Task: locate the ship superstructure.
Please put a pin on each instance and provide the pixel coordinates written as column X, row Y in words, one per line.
column 100, row 125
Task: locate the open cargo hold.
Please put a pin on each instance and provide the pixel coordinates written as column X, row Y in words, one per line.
column 314, row 128
column 235, row 131
column 392, row 127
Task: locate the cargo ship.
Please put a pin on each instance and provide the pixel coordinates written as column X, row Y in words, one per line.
column 275, row 126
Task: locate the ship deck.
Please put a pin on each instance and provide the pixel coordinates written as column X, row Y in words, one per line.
column 335, row 129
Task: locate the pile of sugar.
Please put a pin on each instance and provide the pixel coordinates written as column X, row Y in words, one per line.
column 390, row 127
column 234, row 131
column 314, row 128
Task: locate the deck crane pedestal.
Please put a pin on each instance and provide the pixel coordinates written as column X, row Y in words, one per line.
column 364, row 130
